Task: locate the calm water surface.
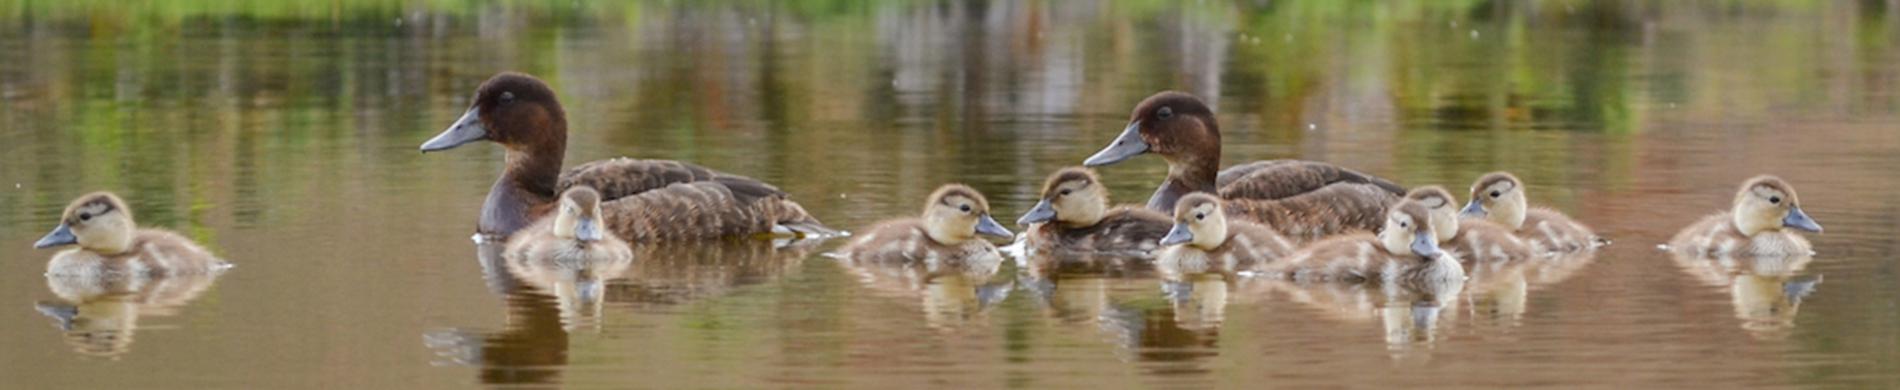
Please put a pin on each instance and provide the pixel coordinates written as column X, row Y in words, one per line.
column 283, row 137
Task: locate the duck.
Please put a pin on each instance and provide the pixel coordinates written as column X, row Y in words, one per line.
column 1304, row 200
column 1404, row 252
column 110, row 243
column 1499, row 197
column 647, row 200
column 1468, row 239
column 1764, row 220
column 1204, row 240
column 949, row 234
column 1073, row 216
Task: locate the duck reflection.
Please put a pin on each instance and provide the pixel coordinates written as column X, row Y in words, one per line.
column 100, row 314
column 548, row 301
column 952, row 293
column 1766, row 290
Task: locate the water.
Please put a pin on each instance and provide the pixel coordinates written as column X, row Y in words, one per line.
column 283, row 137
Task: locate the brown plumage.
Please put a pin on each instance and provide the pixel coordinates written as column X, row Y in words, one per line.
column 522, row 114
column 1302, row 199
column 1500, row 197
column 1074, row 217
column 1405, row 251
column 1472, row 239
column 1761, row 221
column 945, row 236
column 110, row 243
column 1204, row 240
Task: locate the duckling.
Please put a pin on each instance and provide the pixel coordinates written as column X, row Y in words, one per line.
column 1077, row 203
column 1499, row 197
column 1759, row 224
column 1405, row 251
column 572, row 237
column 110, row 243
column 649, row 200
column 1302, row 199
column 1204, row 240
column 946, row 236
column 1469, row 239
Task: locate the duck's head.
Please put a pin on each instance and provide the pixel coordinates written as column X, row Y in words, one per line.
column 98, row 222
column 956, row 214
column 1072, row 197
column 1406, row 230
column 1498, row 197
column 1766, row 203
column 1443, row 208
column 579, row 215
column 1175, row 125
column 1198, row 222
column 515, row 110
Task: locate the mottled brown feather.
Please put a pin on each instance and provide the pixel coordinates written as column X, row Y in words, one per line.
column 1332, row 210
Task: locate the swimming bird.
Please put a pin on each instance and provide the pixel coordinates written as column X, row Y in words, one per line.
column 1302, row 199
column 1405, row 251
column 1471, row 239
column 111, row 243
column 1074, row 216
column 1204, row 240
column 1762, row 221
column 1499, row 197
column 647, row 200
column 947, row 235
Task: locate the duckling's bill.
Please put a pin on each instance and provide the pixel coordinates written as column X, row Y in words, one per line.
column 989, row 227
column 60, row 236
column 587, row 229
column 1472, row 210
column 1043, row 212
column 1180, row 234
column 1799, row 220
column 1423, row 244
column 466, row 129
column 1126, row 146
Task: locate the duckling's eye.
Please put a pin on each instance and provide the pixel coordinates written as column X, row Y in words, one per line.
column 1495, row 194
column 965, row 208
column 1065, row 192
column 85, row 216
column 1774, row 199
column 1200, row 217
column 1164, row 113
column 507, row 97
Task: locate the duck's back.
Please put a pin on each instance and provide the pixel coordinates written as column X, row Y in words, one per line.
column 1125, row 230
column 717, row 208
column 1278, row 179
column 1549, row 231
column 153, row 253
column 1328, row 211
column 1485, row 241
column 620, row 177
column 1715, row 235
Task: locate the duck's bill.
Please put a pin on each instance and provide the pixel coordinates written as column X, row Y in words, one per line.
column 989, row 227
column 587, row 229
column 1043, row 212
column 1126, row 146
column 466, row 129
column 60, row 236
column 1472, row 210
column 1424, row 245
column 1799, row 220
column 1180, row 234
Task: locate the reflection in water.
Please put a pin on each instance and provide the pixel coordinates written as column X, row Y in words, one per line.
column 546, row 303
column 1766, row 290
column 953, row 293
column 100, row 314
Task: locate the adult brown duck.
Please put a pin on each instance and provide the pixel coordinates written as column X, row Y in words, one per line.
column 646, row 200
column 1303, row 199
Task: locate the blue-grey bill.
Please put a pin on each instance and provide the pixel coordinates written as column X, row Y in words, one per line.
column 61, row 235
column 989, row 227
column 1180, row 234
column 1472, row 210
column 1799, row 220
column 1424, row 245
column 466, row 129
column 1127, row 145
column 587, row 229
column 1043, row 212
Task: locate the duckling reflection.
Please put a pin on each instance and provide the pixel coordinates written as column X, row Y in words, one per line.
column 952, row 294
column 1766, row 290
column 100, row 314
column 1410, row 314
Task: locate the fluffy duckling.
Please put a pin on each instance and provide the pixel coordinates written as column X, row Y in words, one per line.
column 1499, row 197
column 648, row 200
column 1302, row 199
column 575, row 236
column 110, row 243
column 1469, row 239
column 1204, row 240
column 946, row 235
column 1405, row 251
column 1074, row 216
column 1762, row 222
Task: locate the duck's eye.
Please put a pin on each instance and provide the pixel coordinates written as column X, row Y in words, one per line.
column 85, row 216
column 1495, row 194
column 1164, row 113
column 1774, row 199
column 965, row 208
column 507, row 97
column 1066, row 192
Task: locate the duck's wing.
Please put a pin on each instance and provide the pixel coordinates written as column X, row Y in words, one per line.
column 1279, row 179
column 727, row 206
column 1327, row 211
column 620, row 177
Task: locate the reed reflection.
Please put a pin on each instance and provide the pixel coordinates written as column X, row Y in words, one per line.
column 99, row 315
column 1766, row 290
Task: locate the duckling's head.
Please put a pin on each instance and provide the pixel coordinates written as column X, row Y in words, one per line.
column 1175, row 125
column 1498, row 197
column 1442, row 207
column 1198, row 222
column 98, row 222
column 956, row 214
column 579, row 215
column 515, row 110
column 1406, row 230
column 1766, row 203
column 1072, row 197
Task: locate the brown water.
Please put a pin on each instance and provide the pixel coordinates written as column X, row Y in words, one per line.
column 283, row 136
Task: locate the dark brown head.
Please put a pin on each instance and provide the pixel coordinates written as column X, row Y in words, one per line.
column 98, row 222
column 1767, row 203
column 515, row 110
column 1177, row 126
column 1073, row 196
column 957, row 213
